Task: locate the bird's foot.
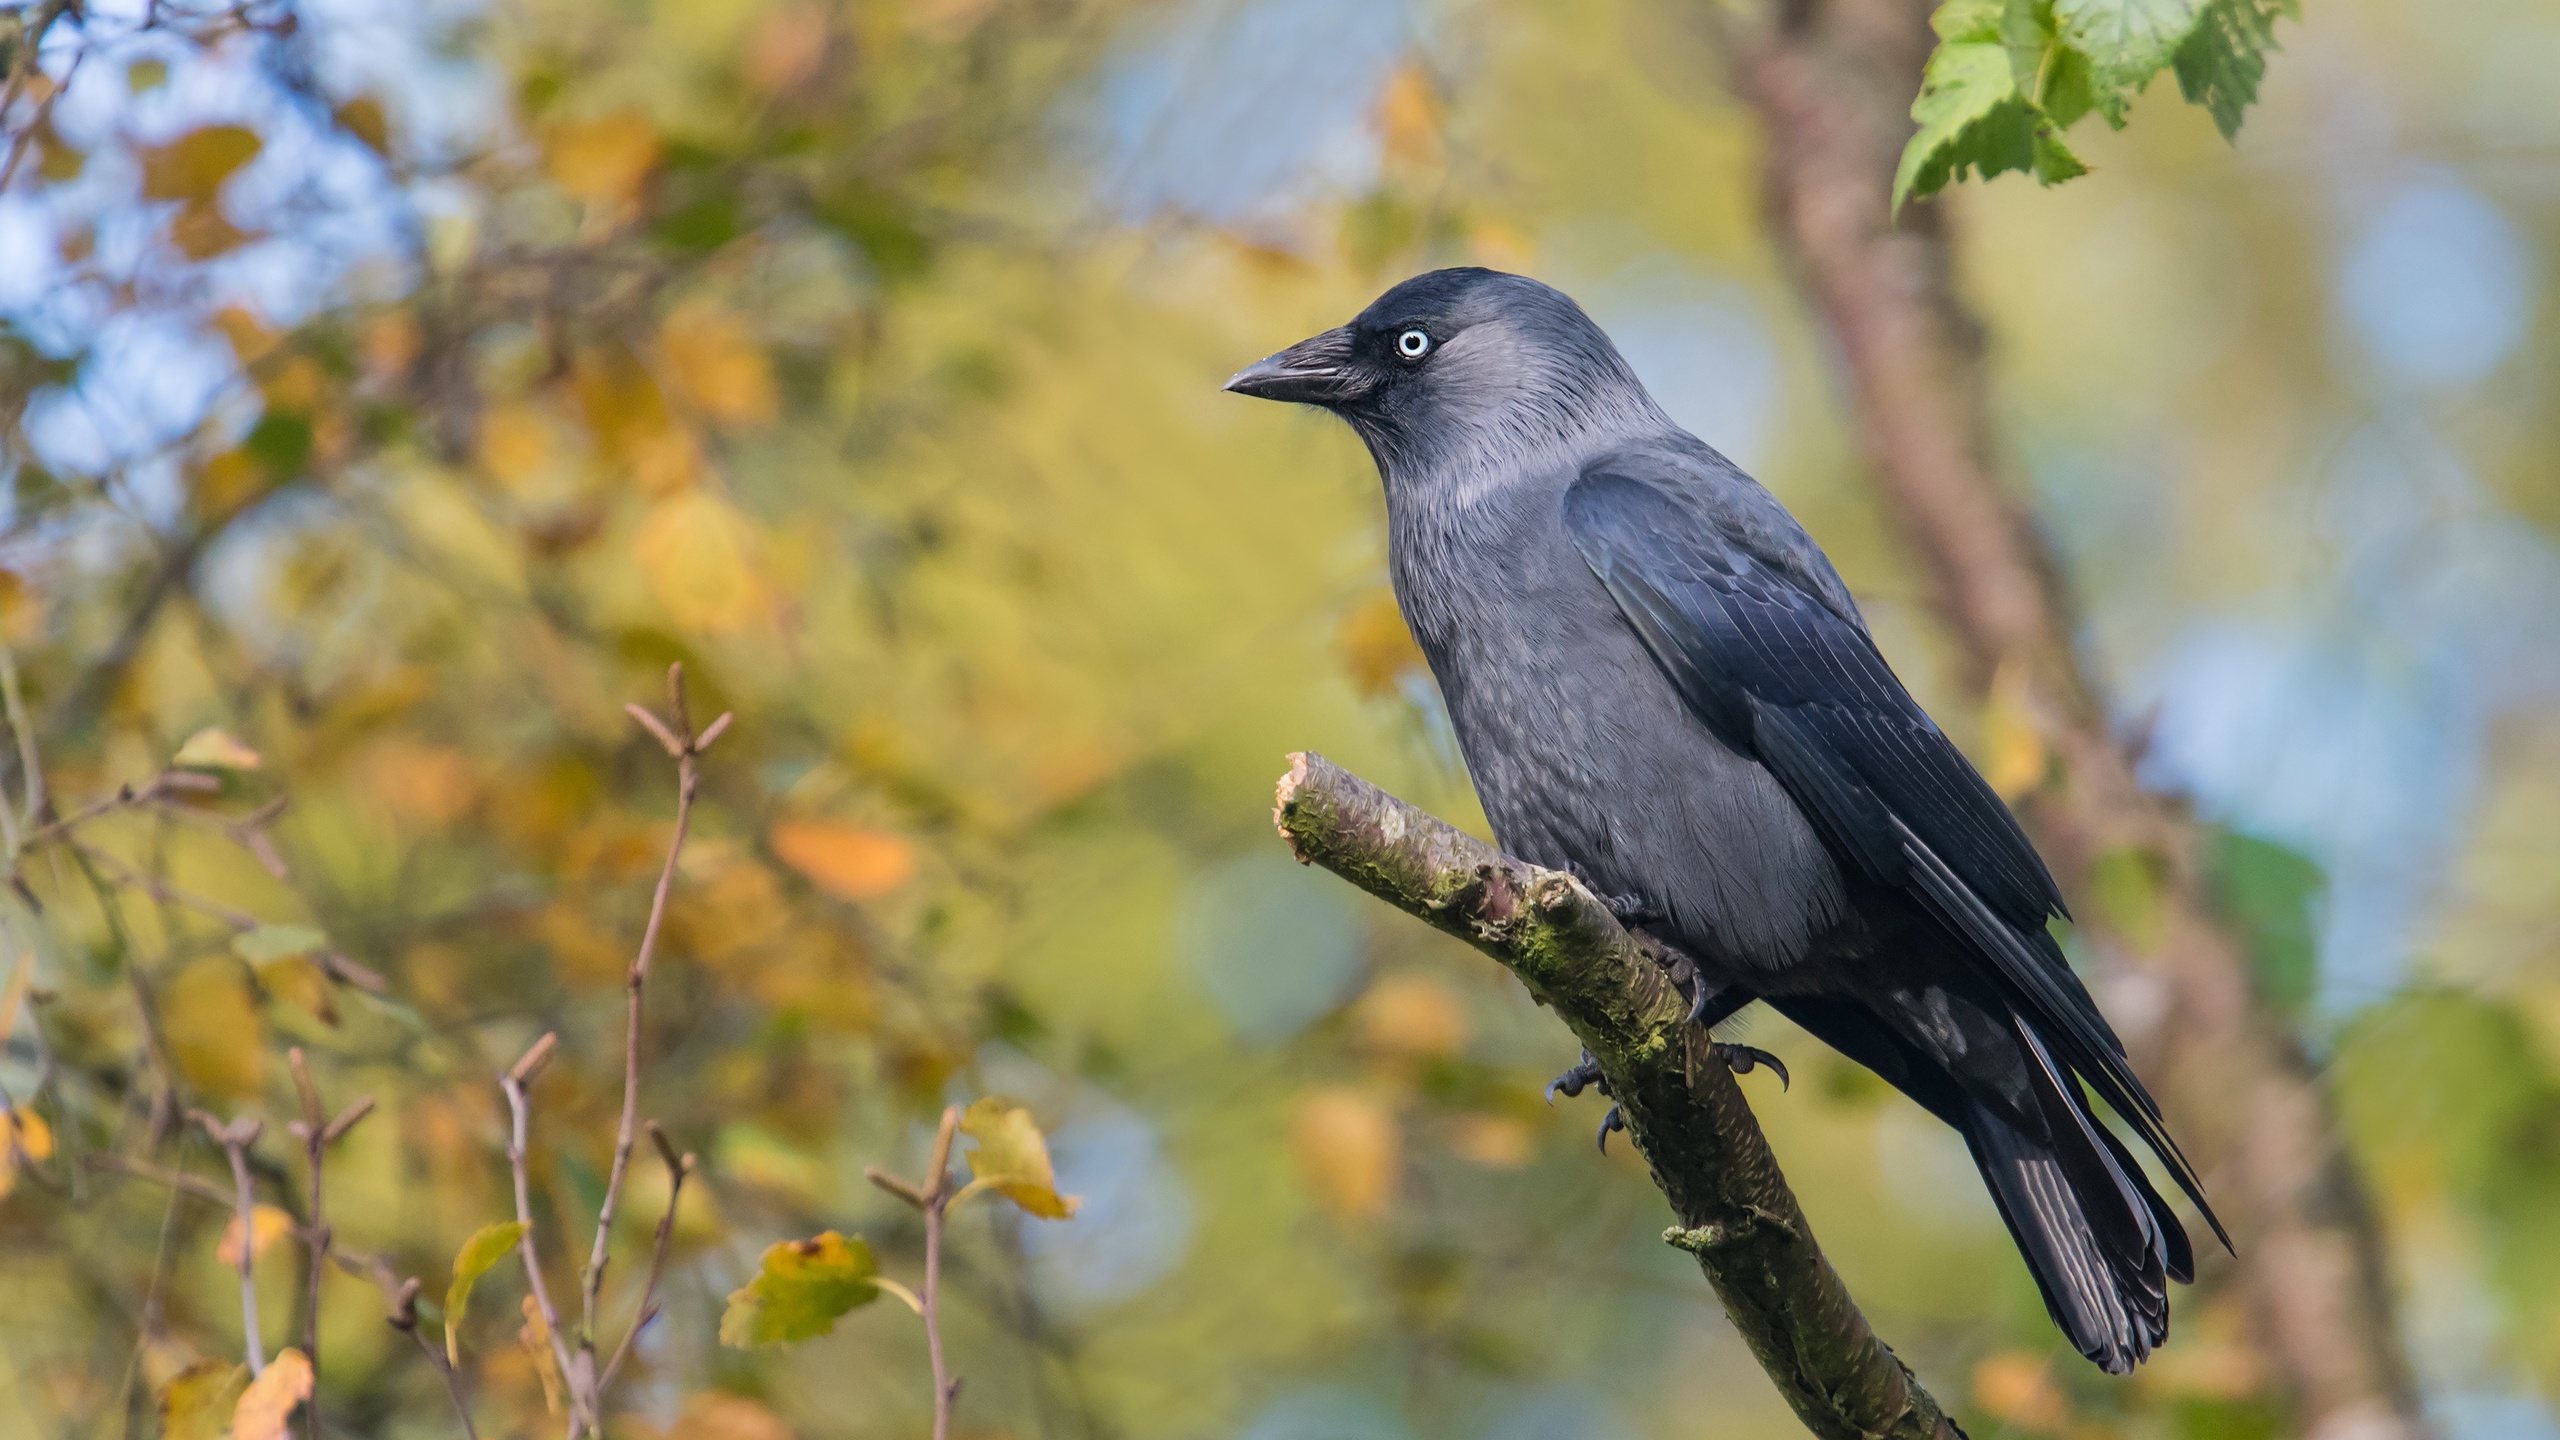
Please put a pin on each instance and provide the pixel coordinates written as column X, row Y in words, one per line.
column 1614, row 1120
column 1630, row 909
column 1743, row 1059
column 1584, row 1074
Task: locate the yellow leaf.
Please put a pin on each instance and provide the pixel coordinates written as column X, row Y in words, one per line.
column 195, row 164
column 800, row 1290
column 1413, row 1015
column 695, row 551
column 269, row 1402
column 267, row 1225
column 716, row 366
column 2014, row 755
column 213, row 1029
column 845, row 860
column 227, row 482
column 364, row 118
column 1346, row 1145
column 1013, row 1159
column 299, row 982
column 535, row 1337
column 35, row 1137
column 603, row 160
column 198, row 1401
column 214, row 748
column 487, row 1246
column 249, row 336
column 201, row 231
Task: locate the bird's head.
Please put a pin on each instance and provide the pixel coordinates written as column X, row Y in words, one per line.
column 1456, row 365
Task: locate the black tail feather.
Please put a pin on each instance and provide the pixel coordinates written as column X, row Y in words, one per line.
column 2099, row 1239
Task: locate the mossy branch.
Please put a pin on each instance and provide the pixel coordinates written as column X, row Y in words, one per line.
column 1681, row 1105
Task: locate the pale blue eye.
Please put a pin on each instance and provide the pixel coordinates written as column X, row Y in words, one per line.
column 1413, row 344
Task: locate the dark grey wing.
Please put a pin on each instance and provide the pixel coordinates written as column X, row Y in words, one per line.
column 1766, row 650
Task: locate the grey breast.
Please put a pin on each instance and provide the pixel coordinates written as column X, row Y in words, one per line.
column 1581, row 751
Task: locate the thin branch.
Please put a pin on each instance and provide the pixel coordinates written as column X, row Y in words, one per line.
column 1680, row 1102
column 164, row 892
column 235, row 1140
column 404, row 1318
column 317, row 1132
column 678, row 1167
column 677, row 736
column 513, row 1081
column 938, row 1196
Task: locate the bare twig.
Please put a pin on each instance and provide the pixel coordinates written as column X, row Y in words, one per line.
column 937, row 1191
column 317, row 1132
column 162, row 891
column 678, row 1167
column 235, row 1140
column 513, row 1080
column 404, row 1318
column 1679, row 1100
column 677, row 736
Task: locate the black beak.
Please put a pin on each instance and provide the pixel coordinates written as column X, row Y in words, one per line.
column 1316, row 371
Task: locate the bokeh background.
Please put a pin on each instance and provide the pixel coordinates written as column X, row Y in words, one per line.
column 401, row 387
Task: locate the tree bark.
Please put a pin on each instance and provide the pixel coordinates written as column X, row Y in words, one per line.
column 1831, row 80
column 1682, row 1108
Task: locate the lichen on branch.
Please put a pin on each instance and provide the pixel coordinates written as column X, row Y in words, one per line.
column 1682, row 1107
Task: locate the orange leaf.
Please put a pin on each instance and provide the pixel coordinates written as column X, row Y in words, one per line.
column 845, row 860
column 271, row 1399
column 1413, row 1015
column 1346, row 1145
column 267, row 1225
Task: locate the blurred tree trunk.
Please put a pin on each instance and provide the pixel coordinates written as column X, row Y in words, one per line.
column 1832, row 80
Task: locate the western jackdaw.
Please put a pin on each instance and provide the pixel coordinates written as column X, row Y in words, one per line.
column 1660, row 683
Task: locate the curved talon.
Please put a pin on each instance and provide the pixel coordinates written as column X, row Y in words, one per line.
column 1573, row 1082
column 1700, row 995
column 1611, row 1121
column 1743, row 1059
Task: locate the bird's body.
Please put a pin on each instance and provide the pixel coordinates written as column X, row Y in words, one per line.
column 1659, row 682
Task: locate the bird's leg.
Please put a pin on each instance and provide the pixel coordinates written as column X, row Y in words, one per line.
column 1584, row 1074
column 1709, row 1008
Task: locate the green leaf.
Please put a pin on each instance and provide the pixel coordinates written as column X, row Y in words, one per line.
column 2009, row 76
column 2219, row 66
column 2269, row 892
column 276, row 942
column 487, row 1246
column 1973, row 117
column 800, row 1290
column 2126, row 42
